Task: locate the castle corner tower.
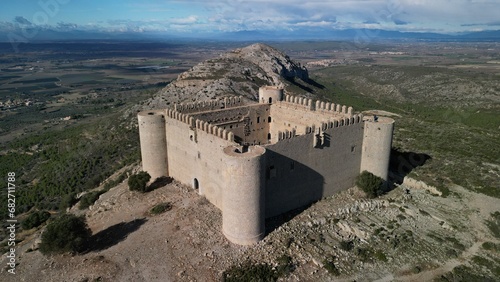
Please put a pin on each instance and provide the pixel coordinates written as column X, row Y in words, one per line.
column 377, row 143
column 153, row 143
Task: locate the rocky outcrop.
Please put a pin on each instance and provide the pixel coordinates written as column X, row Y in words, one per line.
column 239, row 72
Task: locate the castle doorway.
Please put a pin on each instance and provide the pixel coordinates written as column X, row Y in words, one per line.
column 196, row 184
column 270, row 100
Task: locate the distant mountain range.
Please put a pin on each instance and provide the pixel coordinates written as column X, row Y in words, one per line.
column 359, row 34
column 362, row 35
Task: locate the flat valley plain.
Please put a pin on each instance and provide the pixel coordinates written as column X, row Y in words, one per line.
column 67, row 125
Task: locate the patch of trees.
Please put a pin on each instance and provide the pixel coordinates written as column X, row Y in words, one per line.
column 65, row 163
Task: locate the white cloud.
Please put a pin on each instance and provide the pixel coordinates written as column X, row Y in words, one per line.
column 397, row 14
column 184, row 21
column 235, row 15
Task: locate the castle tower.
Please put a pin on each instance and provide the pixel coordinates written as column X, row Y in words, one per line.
column 243, row 213
column 153, row 143
column 377, row 142
column 270, row 94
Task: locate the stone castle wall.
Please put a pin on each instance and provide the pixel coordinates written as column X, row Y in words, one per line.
column 306, row 168
column 196, row 157
column 310, row 150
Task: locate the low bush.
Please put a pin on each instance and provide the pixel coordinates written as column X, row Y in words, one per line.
column 330, row 267
column 371, row 184
column 250, row 272
column 494, row 224
column 161, row 208
column 35, row 219
column 346, row 245
column 67, row 233
column 490, row 246
column 67, row 201
column 380, row 255
column 112, row 183
column 139, row 181
column 89, row 199
column 285, row 265
column 364, row 254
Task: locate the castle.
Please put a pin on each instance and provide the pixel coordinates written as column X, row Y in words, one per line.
column 258, row 160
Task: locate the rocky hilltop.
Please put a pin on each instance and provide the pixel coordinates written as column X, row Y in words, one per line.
column 239, row 72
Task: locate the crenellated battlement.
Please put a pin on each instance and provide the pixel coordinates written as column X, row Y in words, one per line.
column 313, row 129
column 214, row 130
column 200, row 125
column 295, row 102
column 228, row 102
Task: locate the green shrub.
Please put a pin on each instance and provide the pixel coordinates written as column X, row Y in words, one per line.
column 346, row 245
column 285, row 265
column 331, row 268
column 139, row 181
column 89, row 199
column 379, row 230
column 112, row 183
column 364, row 254
column 35, row 219
column 494, row 224
column 67, row 233
column 456, row 244
column 490, row 246
column 161, row 208
column 380, row 255
column 250, row 272
column 464, row 273
column 445, row 191
column 371, row 184
column 67, row 201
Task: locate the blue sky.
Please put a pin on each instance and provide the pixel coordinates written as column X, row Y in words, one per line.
column 191, row 16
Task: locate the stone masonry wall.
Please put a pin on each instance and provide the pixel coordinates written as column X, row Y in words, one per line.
column 195, row 154
column 299, row 173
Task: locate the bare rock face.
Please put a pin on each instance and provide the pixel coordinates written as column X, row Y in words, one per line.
column 275, row 63
column 239, row 72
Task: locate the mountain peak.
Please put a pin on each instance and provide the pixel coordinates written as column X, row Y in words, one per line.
column 239, row 72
